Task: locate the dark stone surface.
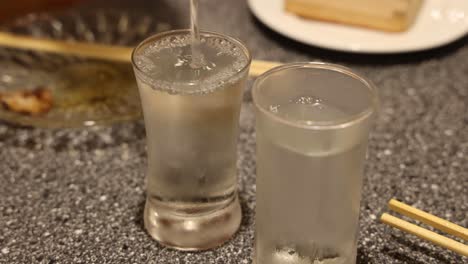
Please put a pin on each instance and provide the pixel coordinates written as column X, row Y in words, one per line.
column 76, row 196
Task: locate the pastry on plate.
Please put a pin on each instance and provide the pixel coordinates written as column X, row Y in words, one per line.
column 386, row 15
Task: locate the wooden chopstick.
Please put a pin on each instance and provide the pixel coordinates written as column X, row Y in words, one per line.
column 89, row 50
column 425, row 234
column 429, row 219
column 259, row 67
column 95, row 51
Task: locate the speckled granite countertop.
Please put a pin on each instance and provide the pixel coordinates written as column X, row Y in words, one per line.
column 76, row 196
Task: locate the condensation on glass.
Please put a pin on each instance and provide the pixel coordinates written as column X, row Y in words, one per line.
column 313, row 121
column 192, row 125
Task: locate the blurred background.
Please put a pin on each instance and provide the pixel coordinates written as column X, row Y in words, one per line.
column 76, row 195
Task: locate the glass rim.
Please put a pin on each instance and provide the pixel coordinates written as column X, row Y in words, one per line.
column 371, row 109
column 164, row 34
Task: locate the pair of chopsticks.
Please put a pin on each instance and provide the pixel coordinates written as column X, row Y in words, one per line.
column 95, row 51
column 426, row 218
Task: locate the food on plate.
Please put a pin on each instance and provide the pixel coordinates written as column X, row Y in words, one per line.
column 386, row 15
column 30, row 102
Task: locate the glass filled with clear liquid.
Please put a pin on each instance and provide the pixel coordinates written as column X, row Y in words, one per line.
column 191, row 116
column 313, row 122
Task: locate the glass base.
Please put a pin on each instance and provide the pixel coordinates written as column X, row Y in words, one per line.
column 192, row 232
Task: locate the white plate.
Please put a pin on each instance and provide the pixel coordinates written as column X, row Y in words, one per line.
column 439, row 22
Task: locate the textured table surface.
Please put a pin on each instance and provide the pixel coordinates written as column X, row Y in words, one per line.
column 76, row 196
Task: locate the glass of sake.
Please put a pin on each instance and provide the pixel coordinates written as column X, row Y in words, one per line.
column 313, row 122
column 191, row 115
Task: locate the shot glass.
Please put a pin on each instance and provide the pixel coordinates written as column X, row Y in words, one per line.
column 192, row 128
column 313, row 121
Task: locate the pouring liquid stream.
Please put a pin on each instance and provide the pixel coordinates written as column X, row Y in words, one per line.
column 197, row 57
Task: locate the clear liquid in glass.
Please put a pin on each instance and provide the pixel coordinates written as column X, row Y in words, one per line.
column 308, row 187
column 191, row 117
